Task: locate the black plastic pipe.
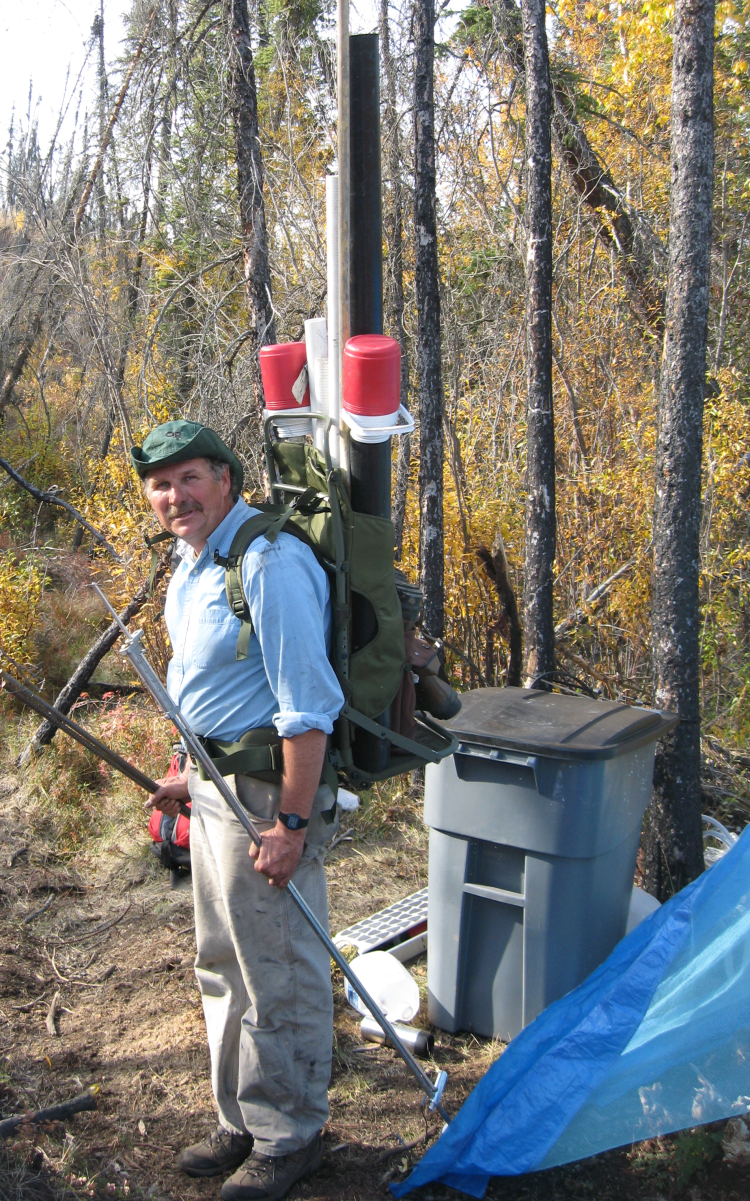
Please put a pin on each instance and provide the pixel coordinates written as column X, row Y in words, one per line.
column 369, row 464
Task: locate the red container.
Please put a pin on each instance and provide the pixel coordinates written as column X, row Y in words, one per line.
column 372, row 375
column 280, row 366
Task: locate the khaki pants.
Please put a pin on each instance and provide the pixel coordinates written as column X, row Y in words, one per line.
column 264, row 975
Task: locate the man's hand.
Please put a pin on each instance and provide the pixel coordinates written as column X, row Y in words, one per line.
column 279, row 854
column 281, row 847
column 170, row 793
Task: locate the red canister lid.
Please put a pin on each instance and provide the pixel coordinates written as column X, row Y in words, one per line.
column 372, row 375
column 280, row 366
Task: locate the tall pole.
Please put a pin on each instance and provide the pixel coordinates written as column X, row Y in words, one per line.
column 369, row 463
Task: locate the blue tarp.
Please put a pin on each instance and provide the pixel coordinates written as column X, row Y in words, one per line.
column 657, row 1039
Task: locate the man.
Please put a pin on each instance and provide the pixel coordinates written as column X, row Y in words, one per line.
column 263, row 975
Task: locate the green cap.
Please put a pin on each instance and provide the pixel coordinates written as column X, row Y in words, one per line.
column 178, row 441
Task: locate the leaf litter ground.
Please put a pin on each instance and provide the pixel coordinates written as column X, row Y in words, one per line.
column 102, row 929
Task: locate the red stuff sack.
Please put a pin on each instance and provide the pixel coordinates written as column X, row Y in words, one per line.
column 170, row 836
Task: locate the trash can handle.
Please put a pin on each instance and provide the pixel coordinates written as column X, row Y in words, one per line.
column 497, row 755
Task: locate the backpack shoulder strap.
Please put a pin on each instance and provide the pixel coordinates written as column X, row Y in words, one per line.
column 270, row 522
column 267, row 523
column 164, row 536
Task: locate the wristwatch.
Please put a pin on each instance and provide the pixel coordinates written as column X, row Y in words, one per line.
column 293, row 821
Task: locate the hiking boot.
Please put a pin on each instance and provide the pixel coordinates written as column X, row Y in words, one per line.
column 217, row 1154
column 266, row 1178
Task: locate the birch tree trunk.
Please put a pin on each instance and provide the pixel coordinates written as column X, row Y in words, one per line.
column 244, row 103
column 97, row 29
column 673, row 842
column 429, row 369
column 540, row 435
column 393, row 221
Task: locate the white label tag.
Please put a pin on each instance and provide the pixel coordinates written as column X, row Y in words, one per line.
column 299, row 387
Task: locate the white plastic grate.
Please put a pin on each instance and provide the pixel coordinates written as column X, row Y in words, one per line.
column 391, row 928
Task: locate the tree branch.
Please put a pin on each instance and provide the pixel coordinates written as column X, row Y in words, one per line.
column 55, row 1113
column 51, row 498
column 595, row 595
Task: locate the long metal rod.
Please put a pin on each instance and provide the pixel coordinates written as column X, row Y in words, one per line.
column 134, row 653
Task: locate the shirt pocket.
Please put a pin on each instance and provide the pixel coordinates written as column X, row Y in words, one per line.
column 212, row 639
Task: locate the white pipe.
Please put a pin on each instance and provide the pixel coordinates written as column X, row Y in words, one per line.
column 334, row 313
column 316, row 341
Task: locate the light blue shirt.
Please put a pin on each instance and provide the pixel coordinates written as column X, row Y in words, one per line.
column 286, row 679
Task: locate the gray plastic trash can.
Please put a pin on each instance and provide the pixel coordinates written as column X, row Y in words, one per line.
column 534, row 830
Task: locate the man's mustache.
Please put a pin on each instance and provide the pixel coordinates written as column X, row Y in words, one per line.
column 182, row 510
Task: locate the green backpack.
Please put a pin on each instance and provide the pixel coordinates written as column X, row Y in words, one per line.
column 356, row 551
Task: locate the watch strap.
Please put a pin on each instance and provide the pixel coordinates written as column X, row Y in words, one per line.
column 293, row 821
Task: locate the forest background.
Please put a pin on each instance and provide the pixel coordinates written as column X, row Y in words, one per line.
column 127, row 306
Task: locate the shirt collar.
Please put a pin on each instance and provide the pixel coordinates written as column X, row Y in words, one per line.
column 221, row 538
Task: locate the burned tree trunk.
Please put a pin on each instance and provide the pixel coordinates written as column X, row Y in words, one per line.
column 495, row 564
column 429, row 368
column 540, row 431
column 244, row 102
column 673, row 844
column 394, row 282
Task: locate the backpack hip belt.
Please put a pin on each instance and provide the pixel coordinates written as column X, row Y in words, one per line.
column 259, row 753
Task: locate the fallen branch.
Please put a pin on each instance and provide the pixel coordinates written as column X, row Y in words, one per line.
column 51, row 498
column 52, row 1013
column 55, row 1113
column 587, row 667
column 106, row 925
column 67, row 697
column 340, row 838
column 38, row 912
column 101, row 978
column 593, row 597
column 734, row 757
column 454, row 650
column 422, row 1138
column 29, row 1005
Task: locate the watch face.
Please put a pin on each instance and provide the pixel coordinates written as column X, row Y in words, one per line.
column 292, row 821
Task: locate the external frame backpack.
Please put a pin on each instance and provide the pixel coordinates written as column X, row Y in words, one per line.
column 356, row 551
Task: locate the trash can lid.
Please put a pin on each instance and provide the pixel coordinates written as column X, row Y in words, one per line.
column 556, row 725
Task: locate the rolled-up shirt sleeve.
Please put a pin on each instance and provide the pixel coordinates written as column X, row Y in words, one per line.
column 288, row 595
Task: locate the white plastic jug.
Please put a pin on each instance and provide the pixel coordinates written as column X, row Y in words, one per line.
column 389, row 983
